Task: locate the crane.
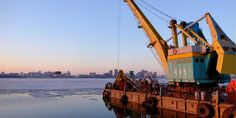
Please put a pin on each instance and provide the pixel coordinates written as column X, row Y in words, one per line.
column 198, row 64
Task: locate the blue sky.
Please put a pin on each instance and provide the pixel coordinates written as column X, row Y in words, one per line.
column 81, row 35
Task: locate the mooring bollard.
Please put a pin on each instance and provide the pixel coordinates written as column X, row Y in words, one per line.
column 203, row 95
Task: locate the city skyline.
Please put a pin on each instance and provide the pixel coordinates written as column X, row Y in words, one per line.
column 81, row 36
column 58, row 74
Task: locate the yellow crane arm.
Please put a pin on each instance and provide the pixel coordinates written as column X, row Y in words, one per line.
column 224, row 47
column 156, row 40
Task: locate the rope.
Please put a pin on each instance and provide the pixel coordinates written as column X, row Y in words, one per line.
column 162, row 18
column 118, row 37
column 161, row 12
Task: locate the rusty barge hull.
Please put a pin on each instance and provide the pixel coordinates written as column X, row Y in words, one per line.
column 177, row 104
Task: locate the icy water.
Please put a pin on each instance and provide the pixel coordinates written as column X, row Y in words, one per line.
column 66, row 98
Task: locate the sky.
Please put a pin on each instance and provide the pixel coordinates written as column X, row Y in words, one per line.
column 82, row 35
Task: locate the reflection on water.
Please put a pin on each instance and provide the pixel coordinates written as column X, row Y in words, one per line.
column 131, row 110
column 134, row 110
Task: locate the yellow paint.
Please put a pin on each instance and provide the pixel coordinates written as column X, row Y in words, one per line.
column 211, row 25
column 184, row 40
column 226, row 63
column 185, row 55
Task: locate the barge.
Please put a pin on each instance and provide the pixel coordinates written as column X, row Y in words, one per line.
column 201, row 104
column 194, row 68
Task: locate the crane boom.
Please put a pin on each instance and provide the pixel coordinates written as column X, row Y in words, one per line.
column 156, row 40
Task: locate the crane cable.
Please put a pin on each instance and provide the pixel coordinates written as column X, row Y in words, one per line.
column 157, row 58
column 161, row 12
column 162, row 18
column 118, row 37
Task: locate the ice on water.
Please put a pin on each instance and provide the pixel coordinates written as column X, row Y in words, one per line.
column 43, row 88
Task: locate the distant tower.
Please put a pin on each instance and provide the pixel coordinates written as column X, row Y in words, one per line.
column 131, row 74
column 21, row 74
column 110, row 73
column 68, row 74
column 155, row 75
column 142, row 73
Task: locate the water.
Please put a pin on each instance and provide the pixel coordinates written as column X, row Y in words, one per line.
column 66, row 98
column 53, row 98
column 57, row 84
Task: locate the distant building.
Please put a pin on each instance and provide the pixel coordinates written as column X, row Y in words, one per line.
column 92, row 75
column 21, row 74
column 116, row 72
column 155, row 75
column 149, row 74
column 68, row 74
column 110, row 73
